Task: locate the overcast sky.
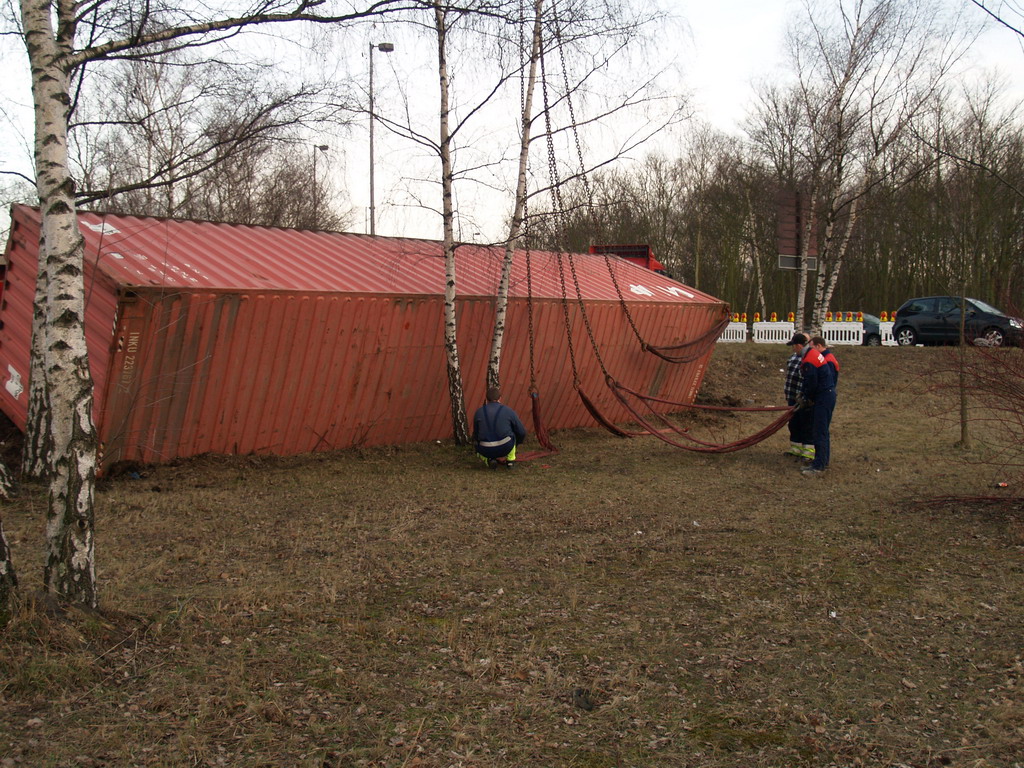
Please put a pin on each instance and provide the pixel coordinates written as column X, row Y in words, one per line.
column 724, row 46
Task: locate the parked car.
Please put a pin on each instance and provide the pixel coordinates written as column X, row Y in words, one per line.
column 936, row 320
column 872, row 334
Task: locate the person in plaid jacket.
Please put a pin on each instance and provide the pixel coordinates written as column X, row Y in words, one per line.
column 800, row 439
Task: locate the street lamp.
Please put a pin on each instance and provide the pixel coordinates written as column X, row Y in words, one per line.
column 316, row 191
column 383, row 48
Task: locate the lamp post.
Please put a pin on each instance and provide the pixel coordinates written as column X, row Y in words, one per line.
column 383, row 48
column 316, row 191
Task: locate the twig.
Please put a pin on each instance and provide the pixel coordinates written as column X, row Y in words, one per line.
column 414, row 740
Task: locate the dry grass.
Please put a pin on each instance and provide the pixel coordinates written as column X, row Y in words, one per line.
column 404, row 607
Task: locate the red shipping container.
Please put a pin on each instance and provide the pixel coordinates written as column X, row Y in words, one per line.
column 235, row 339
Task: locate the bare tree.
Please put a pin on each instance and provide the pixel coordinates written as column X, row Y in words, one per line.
column 62, row 38
column 519, row 209
column 864, row 71
column 180, row 136
column 495, row 66
column 443, row 20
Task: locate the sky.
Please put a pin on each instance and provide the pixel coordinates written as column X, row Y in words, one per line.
column 731, row 42
column 718, row 48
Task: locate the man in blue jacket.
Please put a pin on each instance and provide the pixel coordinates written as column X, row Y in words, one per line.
column 497, row 431
column 819, row 388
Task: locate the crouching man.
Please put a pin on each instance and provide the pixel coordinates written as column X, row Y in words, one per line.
column 497, row 431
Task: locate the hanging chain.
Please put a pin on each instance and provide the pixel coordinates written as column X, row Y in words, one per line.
column 559, row 208
column 529, row 315
column 568, row 322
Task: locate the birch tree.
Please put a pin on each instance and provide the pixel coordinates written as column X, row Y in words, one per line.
column 61, row 38
column 460, row 425
column 864, row 70
column 495, row 63
column 519, row 207
column 8, row 579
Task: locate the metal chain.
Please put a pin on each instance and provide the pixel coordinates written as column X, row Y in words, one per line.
column 560, row 220
column 622, row 301
column 586, row 317
column 529, row 312
column 588, row 191
column 568, row 322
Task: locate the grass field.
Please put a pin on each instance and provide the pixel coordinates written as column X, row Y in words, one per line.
column 620, row 603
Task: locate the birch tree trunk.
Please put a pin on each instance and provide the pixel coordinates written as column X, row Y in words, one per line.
column 805, row 249
column 518, row 214
column 750, row 240
column 8, row 577
column 460, row 426
column 71, row 443
column 836, row 258
column 34, row 450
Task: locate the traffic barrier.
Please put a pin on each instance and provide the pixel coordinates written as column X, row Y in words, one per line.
column 851, row 333
column 772, row 333
column 734, row 332
column 885, row 331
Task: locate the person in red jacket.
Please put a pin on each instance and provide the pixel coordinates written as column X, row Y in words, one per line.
column 819, row 344
column 819, row 389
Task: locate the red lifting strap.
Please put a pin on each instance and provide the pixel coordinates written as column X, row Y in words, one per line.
column 601, row 419
column 620, row 392
column 538, row 423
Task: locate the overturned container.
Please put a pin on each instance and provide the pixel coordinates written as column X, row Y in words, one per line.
column 222, row 338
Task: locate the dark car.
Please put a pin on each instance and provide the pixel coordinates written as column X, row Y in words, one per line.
column 872, row 334
column 936, row 320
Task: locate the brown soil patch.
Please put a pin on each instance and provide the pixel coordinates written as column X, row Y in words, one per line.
column 406, row 607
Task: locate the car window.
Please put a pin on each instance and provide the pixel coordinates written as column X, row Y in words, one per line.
column 947, row 304
column 920, row 305
column 985, row 307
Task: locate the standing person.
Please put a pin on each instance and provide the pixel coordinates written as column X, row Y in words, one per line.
column 800, row 437
column 819, row 344
column 497, row 431
column 819, row 387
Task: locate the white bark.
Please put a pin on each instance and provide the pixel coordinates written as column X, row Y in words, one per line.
column 806, row 212
column 460, row 426
column 827, row 279
column 8, row 579
column 71, row 441
column 34, row 452
column 518, row 214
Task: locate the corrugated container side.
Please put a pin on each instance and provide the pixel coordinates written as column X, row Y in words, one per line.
column 193, row 367
column 197, row 372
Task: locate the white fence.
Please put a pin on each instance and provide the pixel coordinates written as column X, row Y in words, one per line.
column 848, row 332
column 733, row 333
column 851, row 333
column 885, row 331
column 772, row 333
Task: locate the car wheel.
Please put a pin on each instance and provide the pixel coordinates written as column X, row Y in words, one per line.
column 993, row 337
column 906, row 337
column 873, row 340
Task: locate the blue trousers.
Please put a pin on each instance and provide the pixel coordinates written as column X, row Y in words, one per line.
column 824, row 404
